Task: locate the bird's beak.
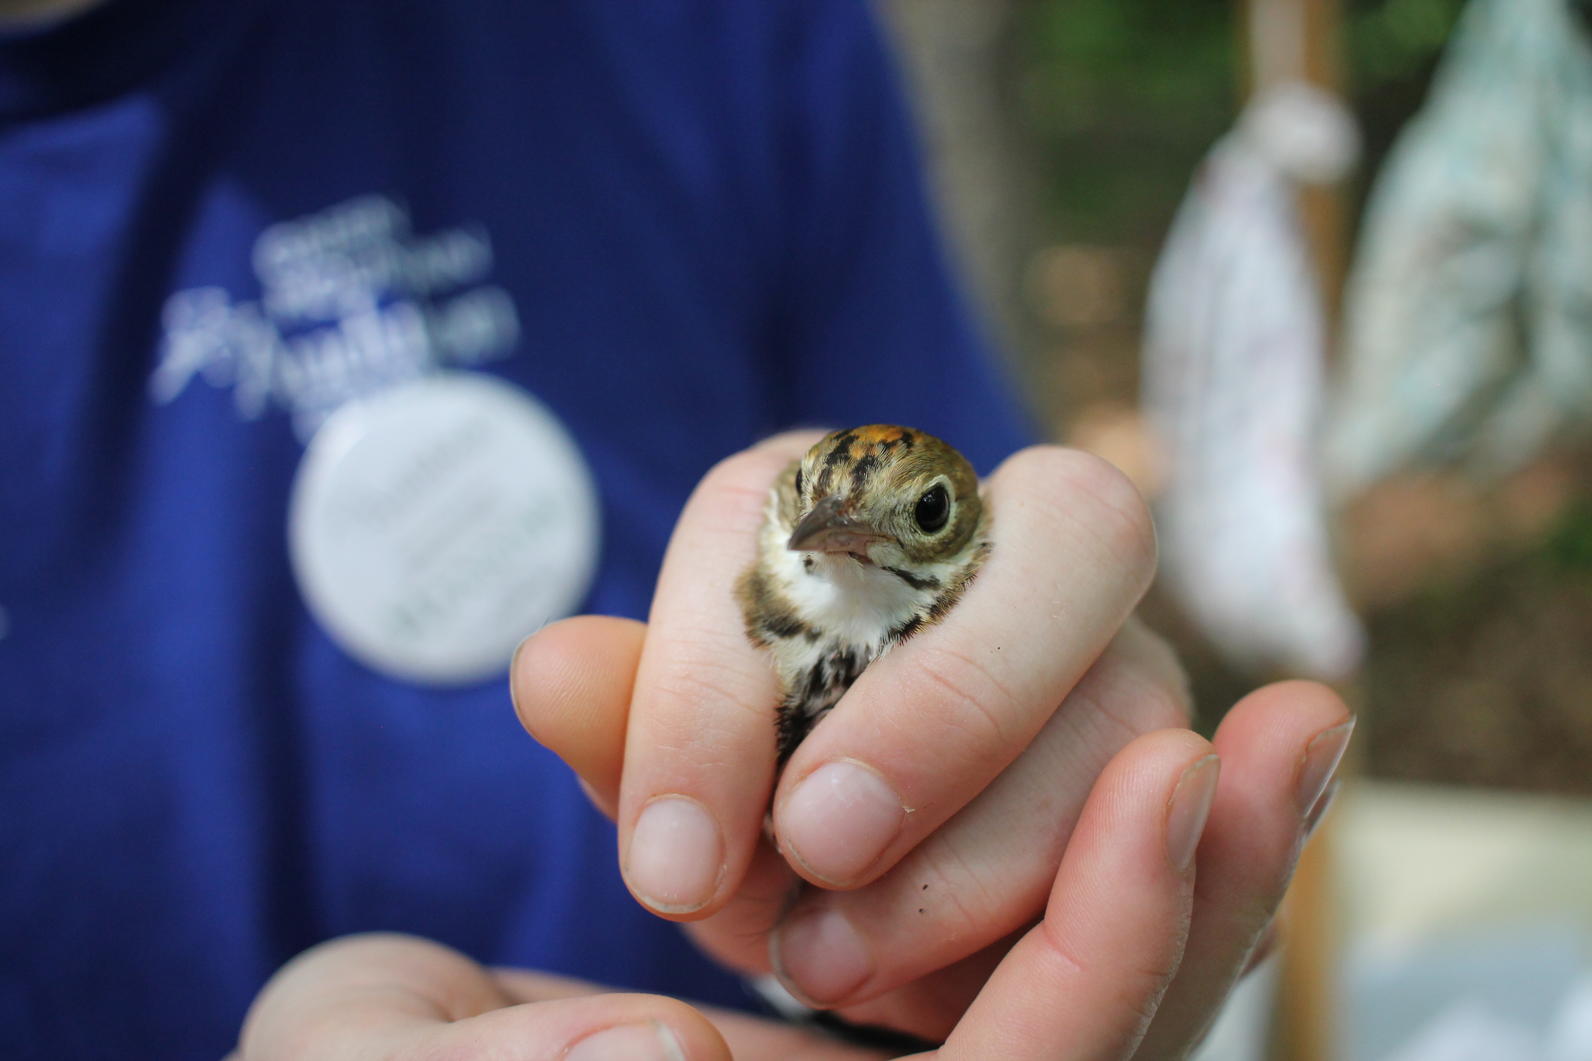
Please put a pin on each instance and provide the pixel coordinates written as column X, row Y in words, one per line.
column 828, row 528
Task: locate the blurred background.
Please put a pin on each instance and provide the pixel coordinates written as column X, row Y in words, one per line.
column 1425, row 380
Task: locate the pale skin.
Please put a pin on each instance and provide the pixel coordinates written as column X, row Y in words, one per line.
column 1037, row 734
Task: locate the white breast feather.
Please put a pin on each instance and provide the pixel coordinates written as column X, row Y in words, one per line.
column 854, row 604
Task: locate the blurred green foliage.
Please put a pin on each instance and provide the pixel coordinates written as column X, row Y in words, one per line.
column 1389, row 41
column 1570, row 546
column 1121, row 98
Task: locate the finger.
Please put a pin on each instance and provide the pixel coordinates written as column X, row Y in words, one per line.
column 700, row 743
column 929, row 1007
column 737, row 934
column 1279, row 746
column 929, row 725
column 1085, row 981
column 1271, row 937
column 749, row 1037
column 1265, row 947
column 389, row 996
column 571, row 684
column 987, row 871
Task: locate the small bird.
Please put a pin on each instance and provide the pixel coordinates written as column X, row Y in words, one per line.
column 872, row 535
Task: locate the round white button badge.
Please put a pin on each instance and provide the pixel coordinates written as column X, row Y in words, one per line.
column 434, row 525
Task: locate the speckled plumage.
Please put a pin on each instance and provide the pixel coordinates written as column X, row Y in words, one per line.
column 848, row 566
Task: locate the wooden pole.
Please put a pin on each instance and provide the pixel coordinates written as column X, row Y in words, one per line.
column 1301, row 40
column 1283, row 41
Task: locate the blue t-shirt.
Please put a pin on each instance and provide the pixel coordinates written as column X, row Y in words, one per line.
column 680, row 224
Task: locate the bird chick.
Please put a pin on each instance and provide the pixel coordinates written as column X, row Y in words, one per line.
column 870, row 536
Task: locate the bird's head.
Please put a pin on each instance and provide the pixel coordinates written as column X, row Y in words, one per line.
column 885, row 495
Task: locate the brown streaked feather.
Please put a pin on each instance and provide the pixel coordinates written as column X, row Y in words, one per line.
column 875, row 474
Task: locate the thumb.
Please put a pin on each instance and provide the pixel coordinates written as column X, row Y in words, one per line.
column 386, row 996
column 571, row 683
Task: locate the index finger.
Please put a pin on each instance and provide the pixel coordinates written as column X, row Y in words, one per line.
column 699, row 748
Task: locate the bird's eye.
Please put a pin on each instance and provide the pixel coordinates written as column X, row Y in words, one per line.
column 932, row 509
column 798, row 482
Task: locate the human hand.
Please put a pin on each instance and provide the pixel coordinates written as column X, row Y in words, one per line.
column 914, row 909
column 1082, row 983
column 393, row 997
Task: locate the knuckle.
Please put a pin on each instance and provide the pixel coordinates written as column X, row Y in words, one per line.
column 750, row 471
column 692, row 693
column 1129, row 692
column 1164, row 708
column 703, row 691
column 964, row 897
column 1093, row 492
column 1117, row 510
column 1155, row 684
column 1168, row 701
column 1061, row 950
column 446, row 1046
column 1144, row 703
column 1139, row 983
column 1124, row 712
column 968, row 696
column 728, row 505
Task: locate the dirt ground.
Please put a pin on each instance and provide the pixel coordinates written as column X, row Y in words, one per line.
column 1478, row 607
column 1480, row 669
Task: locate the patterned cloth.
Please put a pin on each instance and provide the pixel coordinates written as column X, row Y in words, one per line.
column 1232, row 390
column 1469, row 309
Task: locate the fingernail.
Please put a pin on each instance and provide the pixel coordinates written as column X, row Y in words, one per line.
column 603, row 806
column 819, row 957
column 1190, row 806
column 676, row 855
column 1265, row 947
column 1320, row 759
column 1319, row 811
column 839, row 821
column 514, row 661
column 650, row 1041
